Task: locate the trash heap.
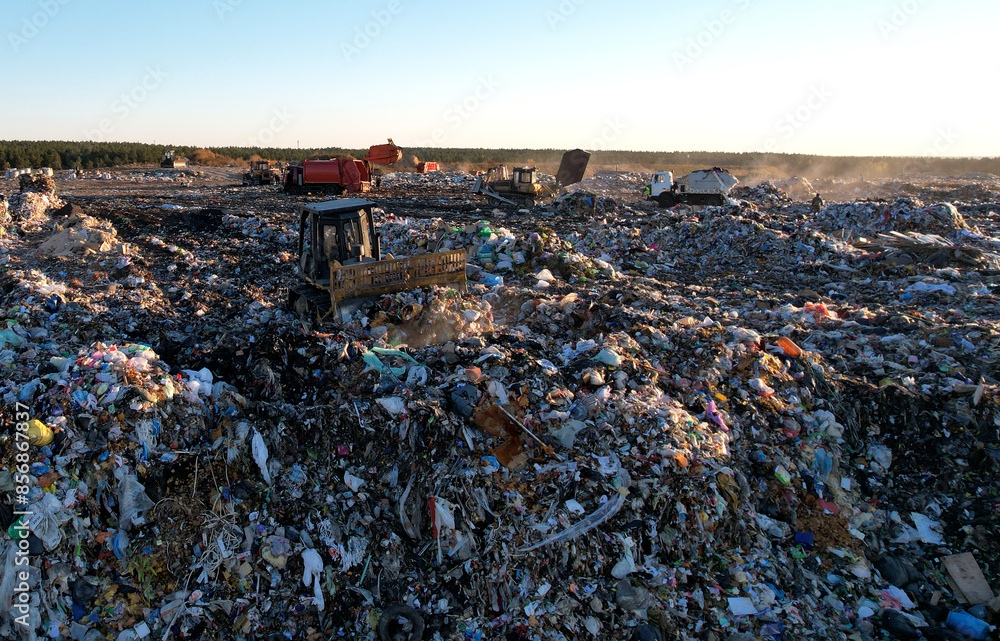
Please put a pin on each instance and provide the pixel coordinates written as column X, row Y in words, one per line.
column 36, row 183
column 796, row 187
column 28, row 209
column 581, row 203
column 902, row 214
column 407, row 180
column 765, row 194
column 622, row 186
column 82, row 234
column 725, row 423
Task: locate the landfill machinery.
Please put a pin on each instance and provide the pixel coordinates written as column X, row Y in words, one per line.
column 171, row 161
column 522, row 188
column 340, row 264
column 260, row 173
column 339, row 175
column 702, row 187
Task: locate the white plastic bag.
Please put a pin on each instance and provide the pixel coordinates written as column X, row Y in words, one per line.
column 132, row 502
column 312, row 571
column 260, row 455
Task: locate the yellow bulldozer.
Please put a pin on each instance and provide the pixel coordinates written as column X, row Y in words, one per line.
column 172, row 161
column 521, row 188
column 340, row 264
column 261, row 173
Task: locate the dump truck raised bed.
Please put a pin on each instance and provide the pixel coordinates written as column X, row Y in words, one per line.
column 340, row 264
column 522, row 188
column 702, row 187
column 339, row 175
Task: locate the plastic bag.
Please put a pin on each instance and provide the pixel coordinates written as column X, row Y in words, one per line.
column 609, row 358
column 260, row 455
column 132, row 502
column 626, row 565
column 394, row 405
column 388, row 376
column 566, row 434
column 312, row 571
column 10, row 337
column 416, row 377
column 584, row 525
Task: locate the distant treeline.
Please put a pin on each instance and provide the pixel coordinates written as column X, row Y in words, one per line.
column 93, row 155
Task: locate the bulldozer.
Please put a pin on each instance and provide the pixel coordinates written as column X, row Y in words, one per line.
column 522, row 188
column 340, row 264
column 171, row 161
column 260, row 173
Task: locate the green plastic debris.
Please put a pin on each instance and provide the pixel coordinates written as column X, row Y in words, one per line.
column 371, row 357
column 10, row 337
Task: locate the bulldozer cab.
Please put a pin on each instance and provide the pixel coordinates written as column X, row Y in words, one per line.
column 335, row 233
column 524, row 176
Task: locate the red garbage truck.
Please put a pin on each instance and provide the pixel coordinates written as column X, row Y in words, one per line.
column 339, row 175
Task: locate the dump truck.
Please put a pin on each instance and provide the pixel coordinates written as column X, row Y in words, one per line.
column 339, row 175
column 522, row 188
column 171, row 161
column 260, row 173
column 340, row 264
column 702, row 187
column 425, row 167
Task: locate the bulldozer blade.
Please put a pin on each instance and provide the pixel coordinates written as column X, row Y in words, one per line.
column 573, row 167
column 480, row 187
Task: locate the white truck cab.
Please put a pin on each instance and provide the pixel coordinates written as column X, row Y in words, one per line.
column 662, row 181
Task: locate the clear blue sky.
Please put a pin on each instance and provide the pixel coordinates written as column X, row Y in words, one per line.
column 853, row 77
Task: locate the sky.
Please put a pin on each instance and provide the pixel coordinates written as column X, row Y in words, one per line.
column 853, row 77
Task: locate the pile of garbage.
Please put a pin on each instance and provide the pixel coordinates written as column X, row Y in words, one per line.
column 403, row 179
column 581, row 203
column 728, row 424
column 36, row 183
column 82, row 234
column 765, row 194
column 901, row 214
column 424, row 317
column 929, row 249
column 796, row 187
column 620, row 185
column 28, row 208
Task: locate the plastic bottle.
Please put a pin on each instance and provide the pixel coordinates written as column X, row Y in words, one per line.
column 968, row 625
